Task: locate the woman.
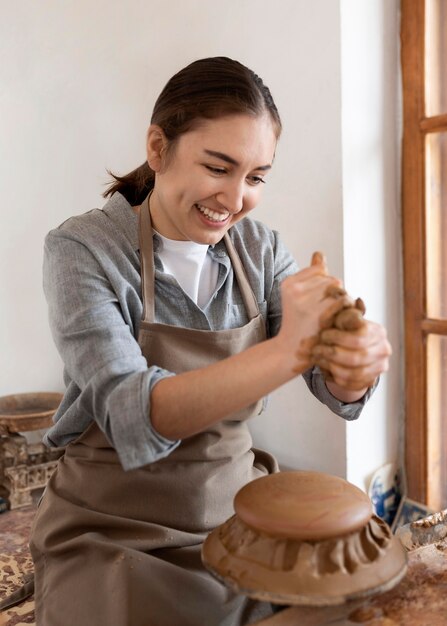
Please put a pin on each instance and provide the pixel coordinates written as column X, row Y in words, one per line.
column 175, row 315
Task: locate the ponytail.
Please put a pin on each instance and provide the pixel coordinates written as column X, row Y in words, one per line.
column 134, row 186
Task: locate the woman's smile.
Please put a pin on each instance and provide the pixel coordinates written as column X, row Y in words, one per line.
column 215, row 218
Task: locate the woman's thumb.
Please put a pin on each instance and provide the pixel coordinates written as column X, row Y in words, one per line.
column 318, row 258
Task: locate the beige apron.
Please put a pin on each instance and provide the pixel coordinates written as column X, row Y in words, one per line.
column 115, row 548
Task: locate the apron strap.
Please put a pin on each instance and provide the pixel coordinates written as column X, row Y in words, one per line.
column 148, row 271
column 147, row 262
column 251, row 304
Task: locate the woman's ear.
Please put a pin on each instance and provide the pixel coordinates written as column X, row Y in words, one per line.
column 155, row 146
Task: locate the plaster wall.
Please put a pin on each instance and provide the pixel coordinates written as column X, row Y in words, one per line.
column 78, row 81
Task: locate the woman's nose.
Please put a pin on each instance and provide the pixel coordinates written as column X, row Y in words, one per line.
column 231, row 196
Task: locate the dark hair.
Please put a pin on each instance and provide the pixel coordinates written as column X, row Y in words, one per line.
column 205, row 89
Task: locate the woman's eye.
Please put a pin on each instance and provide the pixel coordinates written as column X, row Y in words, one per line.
column 220, row 171
column 215, row 170
column 255, row 180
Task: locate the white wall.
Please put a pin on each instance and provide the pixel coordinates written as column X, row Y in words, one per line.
column 77, row 89
column 371, row 211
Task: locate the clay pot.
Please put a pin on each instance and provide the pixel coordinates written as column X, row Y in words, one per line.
column 304, row 538
column 23, row 412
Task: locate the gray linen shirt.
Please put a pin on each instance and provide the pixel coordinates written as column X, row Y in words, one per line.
column 93, row 287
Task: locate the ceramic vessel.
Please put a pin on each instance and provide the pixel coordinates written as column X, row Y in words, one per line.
column 304, row 538
column 23, row 412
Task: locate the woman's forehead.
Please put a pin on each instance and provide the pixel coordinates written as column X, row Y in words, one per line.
column 233, row 135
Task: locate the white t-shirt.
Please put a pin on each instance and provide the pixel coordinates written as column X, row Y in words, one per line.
column 195, row 271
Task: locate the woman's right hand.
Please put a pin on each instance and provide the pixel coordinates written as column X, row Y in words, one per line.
column 307, row 309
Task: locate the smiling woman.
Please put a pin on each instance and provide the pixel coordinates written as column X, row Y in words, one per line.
column 175, row 315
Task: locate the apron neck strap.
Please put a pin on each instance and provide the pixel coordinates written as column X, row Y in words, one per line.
column 248, row 296
column 147, row 261
column 148, row 271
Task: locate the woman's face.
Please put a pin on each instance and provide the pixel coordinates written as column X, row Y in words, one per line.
column 213, row 178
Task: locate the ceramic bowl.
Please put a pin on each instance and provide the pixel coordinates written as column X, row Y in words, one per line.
column 28, row 411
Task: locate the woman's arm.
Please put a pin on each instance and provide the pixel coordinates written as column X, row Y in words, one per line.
column 145, row 411
column 90, row 288
column 345, row 395
column 187, row 403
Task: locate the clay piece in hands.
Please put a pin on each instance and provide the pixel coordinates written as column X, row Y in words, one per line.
column 350, row 318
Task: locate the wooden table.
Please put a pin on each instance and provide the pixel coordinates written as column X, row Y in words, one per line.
column 419, row 600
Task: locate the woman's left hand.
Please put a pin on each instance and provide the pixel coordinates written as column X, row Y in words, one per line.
column 354, row 358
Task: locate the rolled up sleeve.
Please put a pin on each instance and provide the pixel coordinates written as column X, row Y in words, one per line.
column 348, row 410
column 100, row 352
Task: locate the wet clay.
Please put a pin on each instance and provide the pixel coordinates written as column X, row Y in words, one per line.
column 350, row 318
column 304, row 538
column 303, row 505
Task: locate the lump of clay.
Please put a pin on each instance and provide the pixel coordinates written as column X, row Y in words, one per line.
column 350, row 318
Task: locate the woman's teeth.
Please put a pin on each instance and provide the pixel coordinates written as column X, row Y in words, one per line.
column 214, row 216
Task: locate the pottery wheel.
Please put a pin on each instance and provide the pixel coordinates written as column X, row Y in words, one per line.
column 304, row 538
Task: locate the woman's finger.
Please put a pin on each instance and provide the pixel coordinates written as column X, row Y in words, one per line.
column 370, row 333
column 357, row 377
column 319, row 259
column 334, row 306
column 307, row 272
column 310, row 292
column 352, row 358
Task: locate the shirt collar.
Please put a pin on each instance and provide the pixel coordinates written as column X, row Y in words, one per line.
column 121, row 212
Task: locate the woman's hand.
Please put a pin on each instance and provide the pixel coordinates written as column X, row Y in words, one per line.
column 354, row 358
column 307, row 308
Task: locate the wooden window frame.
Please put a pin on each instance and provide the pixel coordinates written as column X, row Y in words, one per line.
column 420, row 455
